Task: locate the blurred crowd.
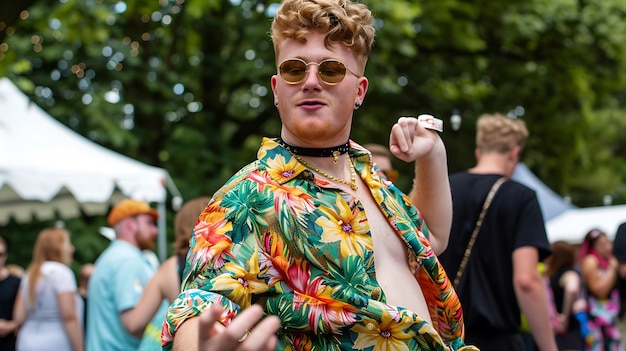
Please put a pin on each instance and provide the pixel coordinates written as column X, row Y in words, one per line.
column 516, row 289
column 46, row 306
column 585, row 283
column 120, row 301
column 586, row 286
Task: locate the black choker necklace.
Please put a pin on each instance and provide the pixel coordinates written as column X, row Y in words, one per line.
column 334, row 151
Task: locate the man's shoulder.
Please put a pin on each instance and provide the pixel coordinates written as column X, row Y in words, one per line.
column 465, row 177
column 517, row 187
column 238, row 179
column 476, row 180
column 117, row 253
column 245, row 170
column 121, row 247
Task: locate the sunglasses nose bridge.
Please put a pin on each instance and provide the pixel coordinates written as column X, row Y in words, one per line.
column 309, row 69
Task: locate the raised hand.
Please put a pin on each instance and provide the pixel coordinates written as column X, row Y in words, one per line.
column 409, row 141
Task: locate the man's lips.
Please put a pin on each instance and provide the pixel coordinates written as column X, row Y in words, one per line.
column 311, row 103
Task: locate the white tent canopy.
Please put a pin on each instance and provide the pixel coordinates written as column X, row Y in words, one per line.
column 49, row 171
column 565, row 221
column 572, row 225
column 551, row 203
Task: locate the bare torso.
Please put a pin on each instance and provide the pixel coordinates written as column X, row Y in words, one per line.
column 390, row 258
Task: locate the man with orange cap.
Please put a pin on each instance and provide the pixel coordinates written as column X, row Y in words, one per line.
column 119, row 276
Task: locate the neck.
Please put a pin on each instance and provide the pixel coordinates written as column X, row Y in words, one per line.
column 334, row 151
column 493, row 164
column 333, row 168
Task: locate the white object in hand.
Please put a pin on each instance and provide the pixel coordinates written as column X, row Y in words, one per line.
column 430, row 122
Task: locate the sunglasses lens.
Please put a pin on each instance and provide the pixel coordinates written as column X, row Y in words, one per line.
column 293, row 71
column 332, row 72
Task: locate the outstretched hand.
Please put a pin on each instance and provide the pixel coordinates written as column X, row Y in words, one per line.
column 243, row 332
column 409, row 141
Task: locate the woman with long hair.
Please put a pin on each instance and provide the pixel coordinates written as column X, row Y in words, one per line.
column 48, row 304
column 599, row 273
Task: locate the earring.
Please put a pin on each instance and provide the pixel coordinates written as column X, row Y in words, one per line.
column 357, row 104
column 275, row 102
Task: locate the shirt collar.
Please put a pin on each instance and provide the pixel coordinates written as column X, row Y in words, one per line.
column 282, row 166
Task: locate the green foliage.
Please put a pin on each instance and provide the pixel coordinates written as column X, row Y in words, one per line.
column 184, row 85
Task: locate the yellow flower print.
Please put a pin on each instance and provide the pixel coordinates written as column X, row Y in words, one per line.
column 281, row 171
column 348, row 227
column 240, row 282
column 389, row 335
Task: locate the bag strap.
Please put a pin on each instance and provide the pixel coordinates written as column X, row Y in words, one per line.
column 479, row 223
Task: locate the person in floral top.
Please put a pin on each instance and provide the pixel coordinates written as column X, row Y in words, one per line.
column 310, row 247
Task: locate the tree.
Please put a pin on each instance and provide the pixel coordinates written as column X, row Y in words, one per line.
column 10, row 12
column 184, row 85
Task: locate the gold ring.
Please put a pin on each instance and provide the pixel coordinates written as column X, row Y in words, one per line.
column 245, row 335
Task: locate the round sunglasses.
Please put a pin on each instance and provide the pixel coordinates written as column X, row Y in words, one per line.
column 331, row 72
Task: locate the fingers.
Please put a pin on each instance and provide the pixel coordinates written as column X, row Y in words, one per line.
column 241, row 333
column 409, row 140
column 209, row 325
column 240, row 327
column 402, row 138
column 404, row 130
column 398, row 141
column 263, row 336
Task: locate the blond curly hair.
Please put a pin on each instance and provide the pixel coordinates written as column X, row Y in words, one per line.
column 498, row 133
column 344, row 21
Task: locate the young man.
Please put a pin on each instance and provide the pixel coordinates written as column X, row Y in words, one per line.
column 119, row 276
column 501, row 274
column 309, row 235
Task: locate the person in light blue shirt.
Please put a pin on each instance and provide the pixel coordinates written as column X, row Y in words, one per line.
column 119, row 277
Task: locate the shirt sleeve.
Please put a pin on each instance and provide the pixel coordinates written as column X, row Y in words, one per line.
column 222, row 268
column 61, row 277
column 129, row 281
column 531, row 230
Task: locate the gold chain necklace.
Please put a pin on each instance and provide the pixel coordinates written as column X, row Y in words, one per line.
column 352, row 183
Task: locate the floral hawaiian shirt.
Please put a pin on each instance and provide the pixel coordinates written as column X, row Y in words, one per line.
column 278, row 235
